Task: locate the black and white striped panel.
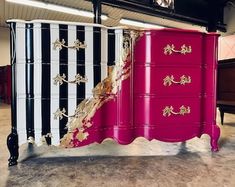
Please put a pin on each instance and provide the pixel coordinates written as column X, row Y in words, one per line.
column 37, row 63
column 80, row 55
column 20, row 70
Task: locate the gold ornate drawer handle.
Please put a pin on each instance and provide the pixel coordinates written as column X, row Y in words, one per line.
column 168, row 110
column 169, row 49
column 169, row 80
column 61, row 79
column 60, row 114
column 79, row 111
column 77, row 45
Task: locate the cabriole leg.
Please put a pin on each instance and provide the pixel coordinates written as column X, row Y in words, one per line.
column 214, row 138
column 13, row 147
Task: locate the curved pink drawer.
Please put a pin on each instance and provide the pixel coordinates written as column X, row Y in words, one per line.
column 148, row 111
column 116, row 111
column 177, row 81
column 150, row 48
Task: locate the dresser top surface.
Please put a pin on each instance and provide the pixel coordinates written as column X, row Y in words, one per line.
column 61, row 22
column 146, row 31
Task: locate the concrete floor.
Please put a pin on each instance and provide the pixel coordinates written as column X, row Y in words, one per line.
column 141, row 163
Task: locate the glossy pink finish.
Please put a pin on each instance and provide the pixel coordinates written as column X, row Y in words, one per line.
column 138, row 108
column 150, row 48
column 154, row 108
column 151, row 78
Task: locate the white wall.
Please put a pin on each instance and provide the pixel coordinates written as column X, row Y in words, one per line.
column 4, row 46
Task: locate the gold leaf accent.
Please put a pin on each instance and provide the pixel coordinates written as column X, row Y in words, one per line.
column 135, row 35
column 81, row 136
column 103, row 92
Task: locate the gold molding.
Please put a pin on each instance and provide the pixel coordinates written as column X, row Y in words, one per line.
column 169, row 80
column 126, row 45
column 169, row 110
column 135, row 35
column 169, row 49
column 77, row 45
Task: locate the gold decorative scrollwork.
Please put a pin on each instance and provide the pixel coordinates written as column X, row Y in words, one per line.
column 61, row 79
column 169, row 49
column 135, row 34
column 78, row 111
column 168, row 80
column 77, row 45
column 126, row 47
column 168, row 110
column 129, row 40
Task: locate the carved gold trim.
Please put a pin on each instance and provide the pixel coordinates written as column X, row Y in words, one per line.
column 129, row 40
column 31, row 140
column 126, row 47
column 169, row 80
column 61, row 79
column 168, row 110
column 135, row 35
column 169, row 49
column 77, row 45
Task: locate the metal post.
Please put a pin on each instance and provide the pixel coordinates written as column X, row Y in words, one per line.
column 97, row 11
column 213, row 7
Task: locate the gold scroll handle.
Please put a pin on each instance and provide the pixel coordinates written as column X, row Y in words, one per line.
column 61, row 79
column 169, row 110
column 170, row 49
column 169, row 80
column 60, row 44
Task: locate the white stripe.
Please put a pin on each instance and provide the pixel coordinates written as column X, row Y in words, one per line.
column 54, row 32
column 21, row 120
column 118, row 62
column 89, row 72
column 72, row 70
column 104, row 53
column 20, row 83
column 118, row 46
column 37, row 42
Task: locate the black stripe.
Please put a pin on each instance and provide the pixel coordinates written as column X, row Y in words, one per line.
column 81, row 64
column 13, row 78
column 46, row 76
column 111, row 47
column 96, row 55
column 29, row 80
column 63, row 34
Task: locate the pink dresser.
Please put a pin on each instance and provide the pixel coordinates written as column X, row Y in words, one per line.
column 174, row 75
column 74, row 84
